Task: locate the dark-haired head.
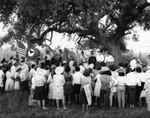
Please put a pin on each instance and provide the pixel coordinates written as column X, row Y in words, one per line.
column 132, row 69
column 121, row 74
column 77, row 68
column 106, row 73
column 42, row 65
column 113, row 67
column 33, row 65
column 86, row 72
column 67, row 69
column 138, row 70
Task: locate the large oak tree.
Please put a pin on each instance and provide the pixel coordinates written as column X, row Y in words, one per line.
column 36, row 18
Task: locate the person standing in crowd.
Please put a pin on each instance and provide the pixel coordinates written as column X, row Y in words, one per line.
column 113, row 93
column 76, row 83
column 148, row 61
column 58, row 91
column 2, row 75
column 131, row 82
column 147, row 90
column 97, row 87
column 121, row 81
column 40, row 80
column 92, row 58
column 48, row 57
column 106, row 84
column 9, row 80
column 108, row 59
column 68, row 85
column 51, row 84
column 83, row 57
column 85, row 80
column 24, row 76
column 100, row 57
column 17, row 79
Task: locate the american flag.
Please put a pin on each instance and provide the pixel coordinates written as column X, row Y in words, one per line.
column 21, row 50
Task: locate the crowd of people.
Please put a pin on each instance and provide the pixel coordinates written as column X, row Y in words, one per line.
column 122, row 85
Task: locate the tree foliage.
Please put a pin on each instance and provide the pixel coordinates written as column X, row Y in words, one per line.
column 36, row 18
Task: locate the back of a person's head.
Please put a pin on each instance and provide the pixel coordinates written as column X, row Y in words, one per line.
column 77, row 68
column 106, row 73
column 121, row 64
column 42, row 65
column 33, row 65
column 132, row 69
column 86, row 72
column 138, row 70
column 121, row 74
column 67, row 69
column 113, row 67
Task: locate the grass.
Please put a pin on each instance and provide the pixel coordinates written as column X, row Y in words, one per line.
column 14, row 105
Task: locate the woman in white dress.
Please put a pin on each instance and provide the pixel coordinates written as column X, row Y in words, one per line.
column 51, row 85
column 58, row 90
column 9, row 86
column 97, row 87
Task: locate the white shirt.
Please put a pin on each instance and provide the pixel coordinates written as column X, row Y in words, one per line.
column 109, row 58
column 77, row 76
column 121, row 80
column 133, row 63
column 32, row 73
column 131, row 79
column 100, row 58
column 13, row 70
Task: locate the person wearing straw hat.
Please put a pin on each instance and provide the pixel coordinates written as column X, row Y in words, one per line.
column 106, row 84
column 58, row 90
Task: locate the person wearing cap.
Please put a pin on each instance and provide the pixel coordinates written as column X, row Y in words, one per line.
column 121, row 81
column 132, row 82
column 58, row 91
column 2, row 75
column 106, row 84
column 76, row 83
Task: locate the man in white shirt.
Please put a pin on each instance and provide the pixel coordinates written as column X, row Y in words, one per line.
column 108, row 59
column 99, row 57
column 76, row 83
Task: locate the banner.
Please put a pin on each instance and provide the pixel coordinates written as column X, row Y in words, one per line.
column 88, row 93
column 33, row 53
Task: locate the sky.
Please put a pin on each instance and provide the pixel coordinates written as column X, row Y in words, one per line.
column 143, row 45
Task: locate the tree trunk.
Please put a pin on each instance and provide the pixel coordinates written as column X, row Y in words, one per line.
column 115, row 51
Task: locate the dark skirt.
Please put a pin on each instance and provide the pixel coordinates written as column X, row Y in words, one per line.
column 39, row 93
column 68, row 88
column 76, row 88
column 83, row 98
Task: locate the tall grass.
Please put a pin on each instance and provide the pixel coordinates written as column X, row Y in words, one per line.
column 14, row 105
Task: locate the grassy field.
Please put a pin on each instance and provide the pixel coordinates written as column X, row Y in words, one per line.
column 14, row 105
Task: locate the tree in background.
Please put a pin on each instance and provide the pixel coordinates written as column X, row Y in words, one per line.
column 34, row 19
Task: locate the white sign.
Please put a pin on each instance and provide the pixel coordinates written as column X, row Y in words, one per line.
column 88, row 93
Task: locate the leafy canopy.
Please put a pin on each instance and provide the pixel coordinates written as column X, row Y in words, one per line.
column 34, row 19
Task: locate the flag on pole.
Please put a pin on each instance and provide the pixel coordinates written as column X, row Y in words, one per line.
column 21, row 50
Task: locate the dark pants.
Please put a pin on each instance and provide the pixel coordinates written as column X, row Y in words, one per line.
column 24, row 86
column 132, row 93
column 104, row 98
